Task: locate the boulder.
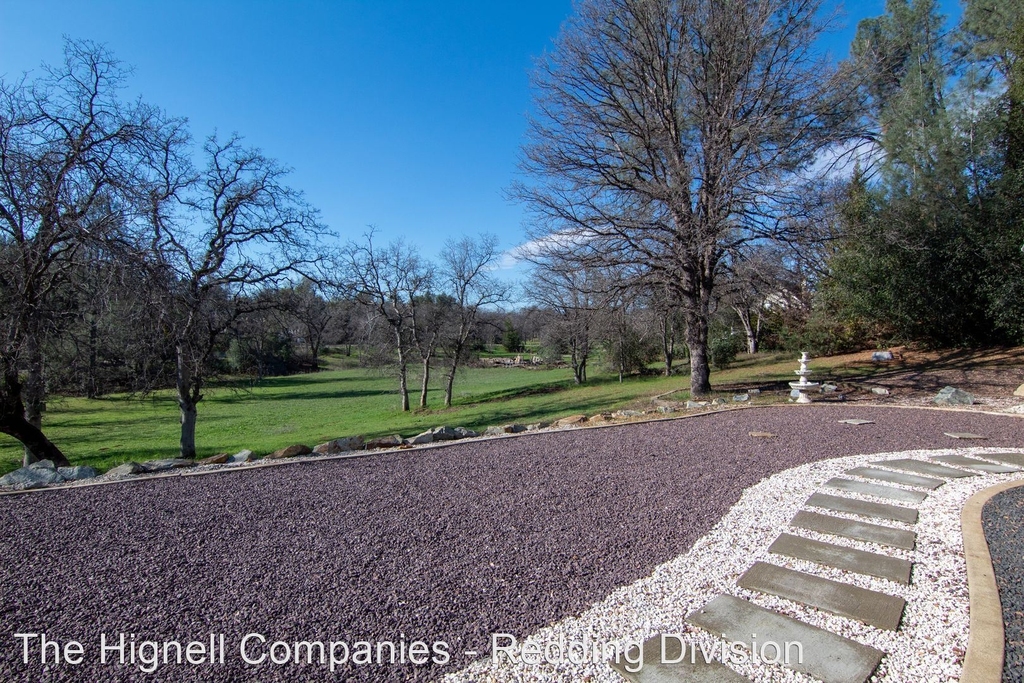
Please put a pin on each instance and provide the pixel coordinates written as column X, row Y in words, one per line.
column 494, row 431
column 443, row 434
column 1019, row 391
column 77, row 473
column 390, row 441
column 31, row 477
column 951, row 396
column 464, row 433
column 425, row 437
column 290, row 452
column 126, row 469
column 218, row 459
column 244, row 455
column 570, row 421
column 740, row 398
column 343, row 445
column 881, row 356
column 165, row 464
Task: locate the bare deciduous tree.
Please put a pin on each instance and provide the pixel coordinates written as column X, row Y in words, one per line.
column 465, row 274
column 242, row 229
column 387, row 280
column 672, row 131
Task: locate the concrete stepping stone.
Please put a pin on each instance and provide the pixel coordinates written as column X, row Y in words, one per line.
column 922, row 467
column 1009, row 458
column 857, row 422
column 863, row 508
column 859, row 531
column 867, row 606
column 840, row 557
column 679, row 669
column 890, row 492
column 964, row 435
column 896, row 477
column 826, row 656
column 975, row 464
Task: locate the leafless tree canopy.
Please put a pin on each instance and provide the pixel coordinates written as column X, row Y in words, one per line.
column 672, row 131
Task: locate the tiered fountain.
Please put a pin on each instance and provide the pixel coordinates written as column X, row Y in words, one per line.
column 803, row 385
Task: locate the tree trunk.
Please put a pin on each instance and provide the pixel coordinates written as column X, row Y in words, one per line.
column 426, row 380
column 189, row 413
column 668, row 342
column 13, row 423
column 186, row 404
column 91, row 382
column 34, row 391
column 697, row 343
column 743, row 314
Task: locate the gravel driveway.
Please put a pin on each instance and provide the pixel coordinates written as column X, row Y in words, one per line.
column 445, row 545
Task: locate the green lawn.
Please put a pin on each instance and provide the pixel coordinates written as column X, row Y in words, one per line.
column 314, row 408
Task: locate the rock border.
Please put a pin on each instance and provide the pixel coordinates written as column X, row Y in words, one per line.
column 203, row 469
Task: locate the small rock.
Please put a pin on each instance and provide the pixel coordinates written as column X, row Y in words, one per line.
column 627, row 413
column 1019, row 391
column 600, row 418
column 43, row 465
column 78, row 473
column 443, row 434
column 126, row 469
column 666, row 409
column 514, row 428
column 464, row 433
column 829, row 388
column 795, row 393
column 753, row 392
column 570, row 421
column 384, row 442
column 696, row 404
column 165, row 464
column 740, row 398
column 880, row 391
column 534, row 427
column 425, row 437
column 881, row 356
column 244, row 455
column 951, row 396
column 218, row 459
column 31, row 477
column 343, row 445
column 494, row 430
column 290, row 452
column 719, row 402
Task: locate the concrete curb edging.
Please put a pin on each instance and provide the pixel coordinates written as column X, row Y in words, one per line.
column 983, row 662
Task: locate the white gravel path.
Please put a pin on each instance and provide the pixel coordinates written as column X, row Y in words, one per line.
column 928, row 646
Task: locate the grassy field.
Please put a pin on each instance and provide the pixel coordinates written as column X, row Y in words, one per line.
column 344, row 401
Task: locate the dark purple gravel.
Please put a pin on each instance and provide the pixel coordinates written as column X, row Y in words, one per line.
column 1003, row 521
column 446, row 545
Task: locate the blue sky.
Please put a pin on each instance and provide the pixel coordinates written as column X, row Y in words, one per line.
column 404, row 114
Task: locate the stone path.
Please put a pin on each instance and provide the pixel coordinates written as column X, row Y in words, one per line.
column 825, row 655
